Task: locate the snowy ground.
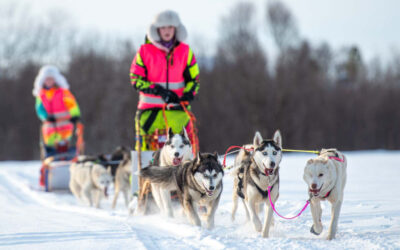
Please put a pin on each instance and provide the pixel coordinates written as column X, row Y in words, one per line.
column 370, row 217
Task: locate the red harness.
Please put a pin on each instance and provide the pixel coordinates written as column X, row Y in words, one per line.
column 336, row 159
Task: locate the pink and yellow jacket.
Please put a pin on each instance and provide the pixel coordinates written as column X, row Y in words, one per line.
column 176, row 70
column 60, row 104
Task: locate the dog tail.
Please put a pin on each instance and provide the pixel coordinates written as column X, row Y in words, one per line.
column 160, row 175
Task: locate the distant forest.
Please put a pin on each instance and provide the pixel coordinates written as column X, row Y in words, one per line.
column 317, row 97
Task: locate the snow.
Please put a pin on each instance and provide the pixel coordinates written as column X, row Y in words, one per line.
column 370, row 216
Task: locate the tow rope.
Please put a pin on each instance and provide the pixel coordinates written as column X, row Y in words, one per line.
column 229, row 149
column 286, row 218
column 251, row 149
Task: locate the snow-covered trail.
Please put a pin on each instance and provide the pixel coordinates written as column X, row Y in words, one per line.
column 370, row 216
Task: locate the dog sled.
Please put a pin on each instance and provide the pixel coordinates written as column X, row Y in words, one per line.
column 54, row 173
column 142, row 158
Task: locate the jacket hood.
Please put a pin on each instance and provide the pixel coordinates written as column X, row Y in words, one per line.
column 166, row 18
column 48, row 71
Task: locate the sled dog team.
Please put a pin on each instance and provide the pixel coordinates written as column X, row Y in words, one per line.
column 198, row 180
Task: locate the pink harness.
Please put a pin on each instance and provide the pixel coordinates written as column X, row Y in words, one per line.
column 336, row 158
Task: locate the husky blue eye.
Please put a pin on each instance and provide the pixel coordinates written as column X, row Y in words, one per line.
column 265, row 153
column 274, row 153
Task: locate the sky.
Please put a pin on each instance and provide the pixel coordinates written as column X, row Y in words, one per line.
column 369, row 24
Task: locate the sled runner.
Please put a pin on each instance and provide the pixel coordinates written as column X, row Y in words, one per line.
column 146, row 145
column 54, row 173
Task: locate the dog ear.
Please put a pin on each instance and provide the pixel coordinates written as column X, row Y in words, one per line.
column 170, row 133
column 184, row 133
column 310, row 161
column 198, row 158
column 216, row 155
column 278, row 138
column 257, row 139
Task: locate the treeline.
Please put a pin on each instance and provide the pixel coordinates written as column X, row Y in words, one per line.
column 316, row 96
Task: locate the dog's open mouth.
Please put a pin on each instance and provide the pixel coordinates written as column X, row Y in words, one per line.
column 209, row 192
column 268, row 171
column 177, row 160
column 315, row 192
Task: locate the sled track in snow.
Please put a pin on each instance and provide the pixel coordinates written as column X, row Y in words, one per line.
column 370, row 215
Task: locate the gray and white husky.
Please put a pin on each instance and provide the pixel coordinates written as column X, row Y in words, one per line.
column 177, row 149
column 198, row 182
column 88, row 178
column 253, row 174
column 326, row 177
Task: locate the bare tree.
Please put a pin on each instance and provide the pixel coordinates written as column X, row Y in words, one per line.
column 282, row 25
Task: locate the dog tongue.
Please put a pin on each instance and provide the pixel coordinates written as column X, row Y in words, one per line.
column 268, row 171
column 176, row 161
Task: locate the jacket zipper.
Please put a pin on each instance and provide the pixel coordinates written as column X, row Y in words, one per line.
column 167, row 57
column 169, row 54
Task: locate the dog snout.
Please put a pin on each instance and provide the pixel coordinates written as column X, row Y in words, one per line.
column 212, row 188
column 176, row 154
column 313, row 186
column 272, row 164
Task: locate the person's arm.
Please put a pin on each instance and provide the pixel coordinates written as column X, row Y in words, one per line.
column 40, row 110
column 191, row 75
column 138, row 74
column 72, row 105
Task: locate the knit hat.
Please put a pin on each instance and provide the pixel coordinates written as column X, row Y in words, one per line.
column 48, row 71
column 164, row 19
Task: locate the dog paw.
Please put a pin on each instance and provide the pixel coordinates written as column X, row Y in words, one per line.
column 312, row 230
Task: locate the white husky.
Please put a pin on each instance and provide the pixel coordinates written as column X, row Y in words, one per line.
column 326, row 178
column 177, row 149
column 88, row 178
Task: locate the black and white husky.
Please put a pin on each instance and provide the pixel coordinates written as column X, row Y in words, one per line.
column 253, row 174
column 198, row 182
column 177, row 149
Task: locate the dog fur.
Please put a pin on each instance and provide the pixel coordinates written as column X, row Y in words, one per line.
column 253, row 174
column 177, row 149
column 122, row 175
column 326, row 179
column 198, row 182
column 88, row 179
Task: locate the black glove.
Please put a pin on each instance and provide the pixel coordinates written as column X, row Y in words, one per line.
column 51, row 118
column 74, row 119
column 167, row 95
column 187, row 97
